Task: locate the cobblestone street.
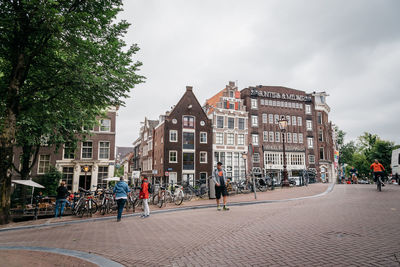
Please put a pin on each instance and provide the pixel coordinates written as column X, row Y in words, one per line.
column 354, row 225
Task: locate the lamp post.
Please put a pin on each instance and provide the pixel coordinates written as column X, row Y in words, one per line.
column 270, row 163
column 283, row 126
column 85, row 169
column 244, row 156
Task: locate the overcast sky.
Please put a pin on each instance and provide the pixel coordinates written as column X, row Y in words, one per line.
column 350, row 49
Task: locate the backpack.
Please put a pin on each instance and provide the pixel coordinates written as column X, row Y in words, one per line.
column 150, row 188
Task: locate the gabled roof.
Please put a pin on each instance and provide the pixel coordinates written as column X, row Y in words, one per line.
column 190, row 94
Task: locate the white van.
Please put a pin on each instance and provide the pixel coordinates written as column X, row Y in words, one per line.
column 396, row 162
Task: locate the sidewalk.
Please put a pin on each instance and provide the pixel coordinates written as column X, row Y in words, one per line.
column 277, row 194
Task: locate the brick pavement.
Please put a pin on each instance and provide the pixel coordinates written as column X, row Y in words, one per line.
column 353, row 226
column 277, row 194
column 18, row 258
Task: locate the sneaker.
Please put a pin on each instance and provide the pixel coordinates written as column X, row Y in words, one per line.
column 219, row 208
column 118, row 220
column 226, row 208
column 142, row 216
column 146, row 216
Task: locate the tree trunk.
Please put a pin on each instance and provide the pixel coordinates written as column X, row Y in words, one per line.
column 7, row 138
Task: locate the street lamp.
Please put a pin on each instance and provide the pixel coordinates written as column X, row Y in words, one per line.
column 283, row 123
column 270, row 163
column 244, row 156
column 85, row 169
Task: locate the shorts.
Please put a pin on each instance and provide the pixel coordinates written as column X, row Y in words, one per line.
column 220, row 190
column 376, row 174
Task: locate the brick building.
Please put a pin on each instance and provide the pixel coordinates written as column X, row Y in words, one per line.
column 183, row 142
column 230, row 130
column 146, row 146
column 96, row 153
column 309, row 143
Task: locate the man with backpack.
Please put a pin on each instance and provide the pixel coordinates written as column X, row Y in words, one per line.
column 219, row 177
column 145, row 190
column 121, row 190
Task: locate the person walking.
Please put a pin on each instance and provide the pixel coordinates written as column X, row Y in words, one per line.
column 219, row 177
column 121, row 190
column 61, row 199
column 144, row 196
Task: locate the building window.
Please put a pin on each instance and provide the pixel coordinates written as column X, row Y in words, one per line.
column 173, row 136
column 87, row 150
column 188, row 122
column 320, row 135
column 173, row 156
column 219, row 138
column 264, row 118
column 288, row 119
column 240, row 139
column 231, row 123
column 277, row 137
column 254, row 121
column 67, row 176
column 308, row 109
column 276, row 119
column 254, row 104
column 289, row 137
column 203, row 138
column 294, row 120
column 220, row 122
column 230, row 139
column 310, row 142
column 104, row 150
column 294, row 137
column 44, row 164
column 271, row 136
column 188, row 140
column 300, row 138
column 241, row 124
column 105, row 125
column 311, row 159
column 309, row 125
column 321, row 153
column 299, row 121
column 69, row 151
column 265, row 136
column 188, row 161
column 254, row 138
column 256, row 157
column 271, row 118
column 203, row 157
column 103, row 173
column 319, row 118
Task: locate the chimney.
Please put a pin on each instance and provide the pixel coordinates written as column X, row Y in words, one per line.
column 231, row 83
column 189, row 88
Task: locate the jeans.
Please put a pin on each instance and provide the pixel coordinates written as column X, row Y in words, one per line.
column 146, row 207
column 60, row 202
column 121, row 204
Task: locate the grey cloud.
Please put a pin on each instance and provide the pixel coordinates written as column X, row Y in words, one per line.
column 351, row 49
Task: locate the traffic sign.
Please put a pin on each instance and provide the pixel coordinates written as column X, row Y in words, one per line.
column 166, row 173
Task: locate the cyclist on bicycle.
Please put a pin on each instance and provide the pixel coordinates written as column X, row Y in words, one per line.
column 377, row 169
column 354, row 173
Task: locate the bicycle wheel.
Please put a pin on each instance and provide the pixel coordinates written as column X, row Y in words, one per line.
column 161, row 200
column 379, row 184
column 155, row 199
column 179, row 198
column 103, row 208
column 93, row 207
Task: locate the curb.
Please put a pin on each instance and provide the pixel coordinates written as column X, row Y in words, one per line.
column 89, row 257
column 246, row 203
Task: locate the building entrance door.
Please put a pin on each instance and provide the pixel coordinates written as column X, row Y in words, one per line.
column 84, row 181
column 188, row 178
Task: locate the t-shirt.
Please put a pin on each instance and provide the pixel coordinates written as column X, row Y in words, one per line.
column 62, row 192
column 221, row 178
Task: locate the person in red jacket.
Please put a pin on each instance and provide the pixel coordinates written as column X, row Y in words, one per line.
column 378, row 170
column 144, row 195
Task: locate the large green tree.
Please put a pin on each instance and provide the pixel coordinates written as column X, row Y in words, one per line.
column 61, row 64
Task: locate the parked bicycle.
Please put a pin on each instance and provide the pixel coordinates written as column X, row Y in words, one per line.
column 86, row 204
column 172, row 195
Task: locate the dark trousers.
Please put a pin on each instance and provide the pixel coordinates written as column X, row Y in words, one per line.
column 121, row 204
